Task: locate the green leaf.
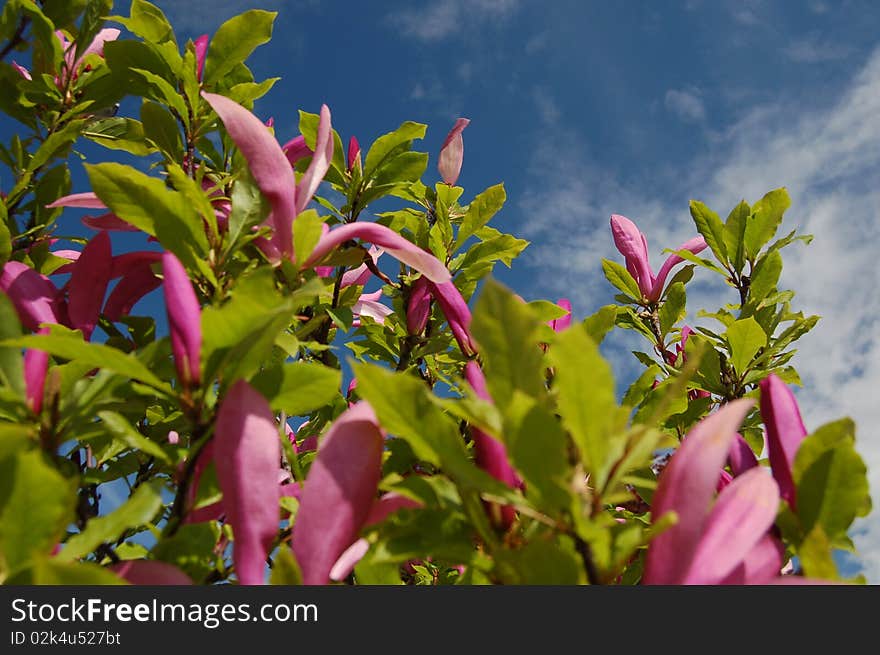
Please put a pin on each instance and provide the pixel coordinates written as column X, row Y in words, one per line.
column 285, row 569
column 298, row 388
column 234, row 42
column 55, row 145
column 390, row 143
column 11, row 365
column 138, row 510
column 480, row 211
column 125, row 55
column 50, row 571
column 537, row 447
column 121, row 428
column 545, row 562
column 148, row 21
column 191, row 549
column 93, row 354
column 673, row 308
column 584, row 387
column 765, row 276
column 36, row 505
column 162, row 91
column 745, row 338
column 405, row 167
column 601, row 323
column 148, row 204
column 249, row 208
column 119, row 133
column 507, row 333
column 306, row 233
column 162, row 129
column 621, row 279
column 710, row 226
column 734, row 233
column 764, row 221
column 815, row 555
column 831, row 480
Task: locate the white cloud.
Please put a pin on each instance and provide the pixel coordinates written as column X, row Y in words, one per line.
column 812, row 49
column 829, row 159
column 686, row 104
column 548, row 110
column 441, row 19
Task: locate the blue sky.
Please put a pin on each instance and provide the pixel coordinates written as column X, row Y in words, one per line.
column 584, row 109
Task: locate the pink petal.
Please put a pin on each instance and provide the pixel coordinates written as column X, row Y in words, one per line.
column 109, row 221
column 96, row 47
column 634, row 247
column 741, row 457
column 452, row 153
column 150, row 573
column 785, row 431
column 489, row 453
column 741, row 517
column 128, row 260
column 247, row 454
column 695, row 245
column 201, row 50
column 346, row 562
column 388, row 505
column 88, row 284
column 339, row 492
column 134, row 285
column 457, row 314
column 267, row 163
column 320, row 163
column 21, row 70
column 85, row 200
column 296, row 149
column 366, row 306
column 36, row 363
column 360, row 276
column 686, row 486
column 563, row 322
column 34, row 296
column 760, row 565
column 394, row 244
column 418, row 309
column 354, row 153
column 184, row 319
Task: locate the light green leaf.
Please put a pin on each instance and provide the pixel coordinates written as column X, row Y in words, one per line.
column 36, row 505
column 600, row 323
column 765, row 276
column 298, row 388
column 506, row 332
column 584, row 387
column 11, row 368
column 234, row 42
column 390, row 143
column 710, row 226
column 138, row 510
column 306, row 234
column 119, row 133
column 745, row 338
column 621, row 279
column 734, row 233
column 764, row 221
column 121, row 429
column 285, row 569
column 480, row 211
column 94, row 354
column 673, row 308
column 50, row 571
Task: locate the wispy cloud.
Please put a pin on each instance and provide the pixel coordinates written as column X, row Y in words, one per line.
column 829, row 159
column 440, row 19
column 687, row 104
column 813, row 49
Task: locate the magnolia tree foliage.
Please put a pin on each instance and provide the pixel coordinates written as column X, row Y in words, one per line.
column 335, row 400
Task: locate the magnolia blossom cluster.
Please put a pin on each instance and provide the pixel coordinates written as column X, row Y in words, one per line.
column 724, row 521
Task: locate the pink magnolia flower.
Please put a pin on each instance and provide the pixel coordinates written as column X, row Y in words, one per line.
column 489, row 453
column 184, row 320
column 247, row 455
column 88, row 284
column 339, row 492
column 201, row 50
column 391, row 242
column 354, row 154
column 452, row 153
column 150, row 572
column 633, row 245
column 785, row 431
column 72, row 62
column 457, row 313
column 418, row 308
column 722, row 542
column 368, row 305
column 360, row 276
column 36, row 365
column 271, row 168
